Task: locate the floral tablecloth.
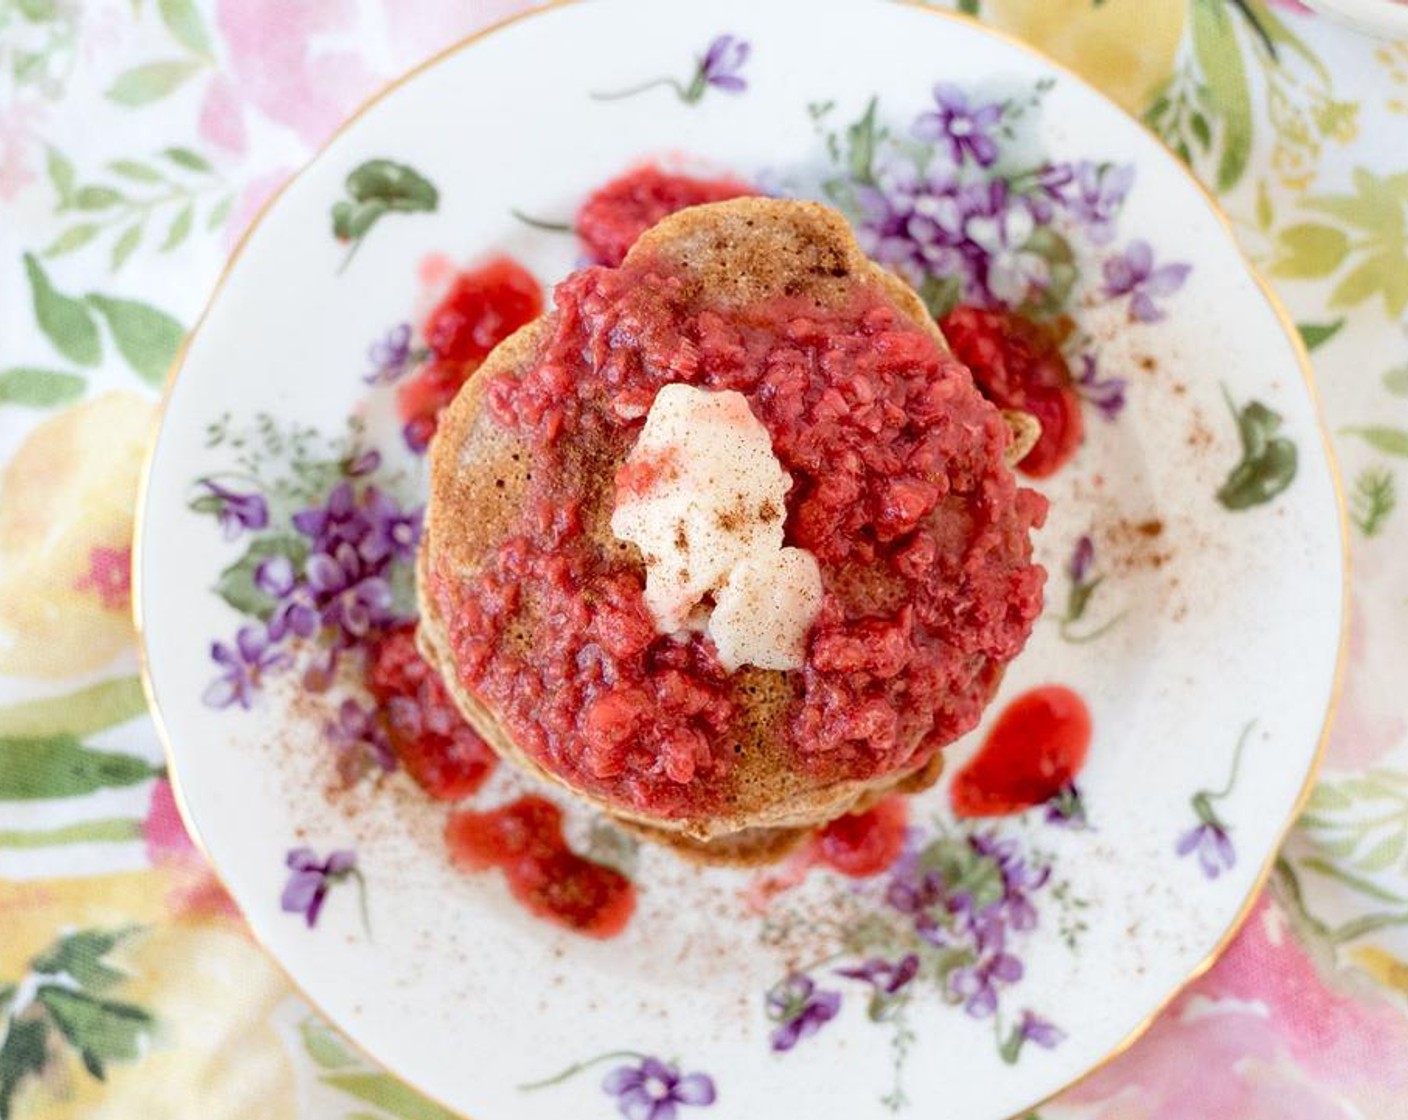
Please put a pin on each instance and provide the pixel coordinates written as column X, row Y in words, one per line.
column 137, row 140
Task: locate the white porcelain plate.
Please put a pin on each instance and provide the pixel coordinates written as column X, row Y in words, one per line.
column 1194, row 601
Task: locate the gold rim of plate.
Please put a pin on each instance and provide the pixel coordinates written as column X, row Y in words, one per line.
column 1287, row 324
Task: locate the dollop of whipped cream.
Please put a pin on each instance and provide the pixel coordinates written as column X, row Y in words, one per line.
column 702, row 496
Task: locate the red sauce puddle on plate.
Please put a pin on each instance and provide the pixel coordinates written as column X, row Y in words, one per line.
column 524, row 840
column 1033, row 753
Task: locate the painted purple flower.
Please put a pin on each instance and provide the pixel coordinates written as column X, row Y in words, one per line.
column 392, row 533
column 1013, row 274
column 295, row 612
column 884, row 976
column 311, row 879
column 1035, row 1029
column 1067, row 809
column 245, row 663
column 977, row 985
column 359, row 738
column 235, row 511
column 1092, row 193
column 1214, row 847
column 1133, row 273
column 1082, row 559
column 799, row 1009
column 960, row 129
column 722, row 62
column 391, row 356
column 361, row 463
column 338, row 521
column 913, row 222
column 352, row 601
column 653, row 1090
column 1105, row 393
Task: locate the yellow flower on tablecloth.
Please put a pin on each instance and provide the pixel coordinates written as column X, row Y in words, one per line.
column 66, row 506
column 213, row 1050
column 1126, row 47
column 1383, row 966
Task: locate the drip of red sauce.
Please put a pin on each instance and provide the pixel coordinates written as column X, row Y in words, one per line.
column 617, row 213
column 1017, row 364
column 482, row 308
column 524, row 840
column 1034, row 751
column 429, row 737
column 862, row 844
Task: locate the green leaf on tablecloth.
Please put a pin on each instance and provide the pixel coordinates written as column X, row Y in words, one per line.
column 25, row 1051
column 1202, row 131
column 151, row 82
column 1265, row 215
column 970, row 7
column 61, row 175
column 135, row 170
column 1315, row 335
column 1396, row 380
column 1374, row 207
column 38, row 11
column 147, row 338
column 1220, row 60
column 324, row 1046
column 1372, row 500
column 1391, row 441
column 236, row 583
column 42, row 767
column 65, row 321
column 97, row 198
column 100, row 1030
column 387, row 1094
column 81, row 954
column 377, row 187
column 39, row 388
column 1379, row 273
column 183, row 20
column 1385, row 854
column 1310, row 249
column 126, row 245
column 220, row 213
column 85, row 712
column 179, row 229
column 191, row 161
column 75, row 237
column 1326, row 798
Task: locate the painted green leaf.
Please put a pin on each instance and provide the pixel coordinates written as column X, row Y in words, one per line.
column 135, row 170
column 97, row 198
column 324, row 1047
column 25, row 1051
column 180, row 228
column 100, row 1030
column 1385, row 854
column 75, row 237
column 184, row 157
column 387, row 1094
column 377, row 187
column 125, row 246
column 32, row 769
column 1268, row 463
column 183, row 20
column 861, row 138
column 1396, row 380
column 236, row 583
column 61, row 175
column 1220, row 59
column 1391, row 441
column 39, row 388
column 151, row 82
column 146, row 337
column 66, row 322
column 1315, row 335
column 941, row 296
column 1060, row 259
column 81, row 954
column 85, row 712
column 1310, row 249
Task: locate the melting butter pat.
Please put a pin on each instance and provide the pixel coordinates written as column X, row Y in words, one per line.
column 703, row 497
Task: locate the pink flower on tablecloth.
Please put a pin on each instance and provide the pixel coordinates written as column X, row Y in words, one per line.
column 419, row 28
column 21, row 150
column 1264, row 1036
column 109, row 576
column 197, row 892
column 1370, row 720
